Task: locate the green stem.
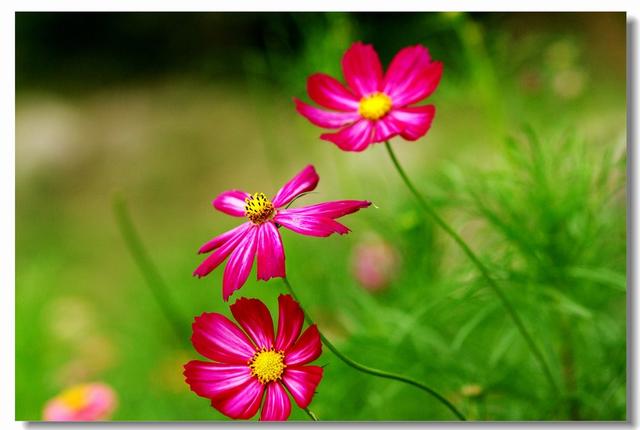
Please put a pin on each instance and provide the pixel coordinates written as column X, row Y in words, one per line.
column 371, row 370
column 149, row 271
column 313, row 416
column 481, row 267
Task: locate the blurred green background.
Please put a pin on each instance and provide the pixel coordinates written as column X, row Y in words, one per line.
column 526, row 158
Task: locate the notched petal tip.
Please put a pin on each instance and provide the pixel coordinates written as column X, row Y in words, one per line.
column 198, row 318
column 241, row 304
column 240, row 301
column 266, row 278
column 287, row 297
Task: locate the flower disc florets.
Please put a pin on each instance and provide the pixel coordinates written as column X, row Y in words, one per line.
column 267, row 365
column 258, row 208
column 375, row 106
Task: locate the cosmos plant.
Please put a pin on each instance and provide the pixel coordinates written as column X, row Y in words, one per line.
column 251, row 367
column 236, row 392
column 375, row 108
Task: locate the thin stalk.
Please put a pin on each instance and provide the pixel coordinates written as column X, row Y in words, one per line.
column 568, row 368
column 313, row 416
column 373, row 371
column 511, row 311
column 154, row 281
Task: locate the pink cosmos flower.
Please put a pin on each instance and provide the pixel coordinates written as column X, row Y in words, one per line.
column 85, row 402
column 374, row 107
column 260, row 236
column 251, row 364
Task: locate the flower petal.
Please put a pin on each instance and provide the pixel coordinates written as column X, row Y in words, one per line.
column 242, row 402
column 277, row 406
column 335, row 209
column 310, row 225
column 306, row 349
column 270, row 253
column 214, row 260
column 239, row 265
column 405, row 65
column 56, row 410
column 419, row 87
column 218, row 339
column 219, row 240
column 306, row 180
column 290, row 320
column 411, row 76
column 416, row 121
column 302, row 381
column 385, row 129
column 254, row 317
column 101, row 402
column 330, row 93
column 215, row 380
column 362, row 70
column 325, row 118
column 355, row 137
column 231, row 202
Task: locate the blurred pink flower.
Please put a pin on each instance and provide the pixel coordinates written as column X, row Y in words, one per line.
column 374, row 265
column 374, row 107
column 260, row 236
column 84, row 402
column 246, row 364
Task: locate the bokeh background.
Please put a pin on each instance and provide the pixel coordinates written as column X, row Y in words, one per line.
column 526, row 158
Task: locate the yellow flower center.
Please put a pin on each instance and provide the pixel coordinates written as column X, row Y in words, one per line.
column 375, row 106
column 75, row 398
column 258, row 208
column 267, row 365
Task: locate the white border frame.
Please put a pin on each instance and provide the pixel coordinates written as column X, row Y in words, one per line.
column 7, row 173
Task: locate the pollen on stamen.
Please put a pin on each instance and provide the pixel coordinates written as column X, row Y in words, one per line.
column 258, row 208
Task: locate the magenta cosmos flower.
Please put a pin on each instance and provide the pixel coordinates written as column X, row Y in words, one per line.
column 260, row 236
column 251, row 364
column 374, row 107
column 84, row 402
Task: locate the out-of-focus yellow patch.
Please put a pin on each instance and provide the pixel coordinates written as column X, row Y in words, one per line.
column 75, row 397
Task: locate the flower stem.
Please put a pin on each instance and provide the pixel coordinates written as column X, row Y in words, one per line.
column 373, row 371
column 313, row 416
column 481, row 267
column 149, row 271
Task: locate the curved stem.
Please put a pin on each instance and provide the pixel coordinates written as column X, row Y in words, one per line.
column 479, row 265
column 313, row 416
column 373, row 371
column 149, row 271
